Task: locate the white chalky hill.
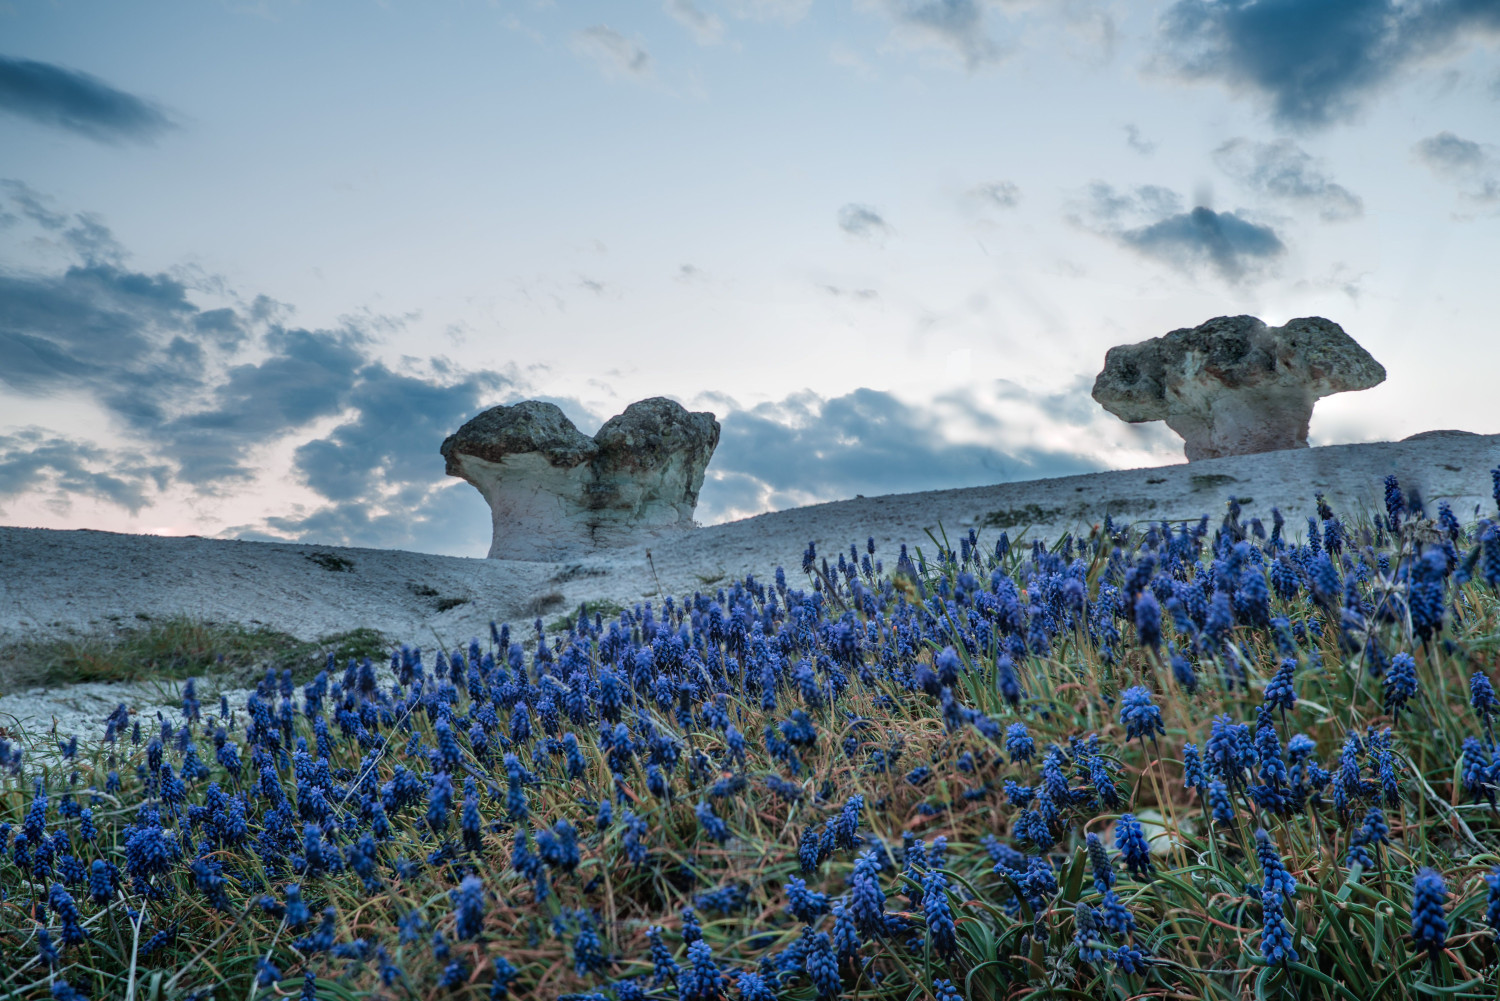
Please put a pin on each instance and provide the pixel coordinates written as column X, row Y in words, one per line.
column 53, row 582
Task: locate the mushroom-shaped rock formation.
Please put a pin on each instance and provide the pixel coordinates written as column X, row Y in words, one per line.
column 1233, row 385
column 554, row 492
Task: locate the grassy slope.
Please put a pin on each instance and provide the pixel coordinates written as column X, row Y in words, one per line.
column 1199, row 914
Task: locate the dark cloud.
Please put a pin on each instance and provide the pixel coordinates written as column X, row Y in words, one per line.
column 1284, row 171
column 77, row 102
column 199, row 392
column 1225, row 242
column 957, row 26
column 307, row 374
column 1315, row 62
column 1447, row 152
column 612, row 52
column 862, row 221
column 1229, row 244
column 392, row 438
column 1468, row 164
column 450, row 519
column 86, row 328
column 806, row 449
column 33, row 204
column 36, row 461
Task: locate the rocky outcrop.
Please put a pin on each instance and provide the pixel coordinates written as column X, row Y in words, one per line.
column 1233, row 385
column 555, row 493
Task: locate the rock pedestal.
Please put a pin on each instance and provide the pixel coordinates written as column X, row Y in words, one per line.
column 555, row 493
column 1233, row 385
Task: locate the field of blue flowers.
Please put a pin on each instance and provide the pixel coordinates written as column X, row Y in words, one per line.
column 1167, row 760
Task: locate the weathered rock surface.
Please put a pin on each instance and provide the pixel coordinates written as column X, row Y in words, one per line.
column 555, row 493
column 1233, row 385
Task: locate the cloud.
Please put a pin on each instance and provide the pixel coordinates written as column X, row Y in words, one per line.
column 381, row 471
column 997, row 194
column 1473, row 167
column 1223, row 240
column 77, row 102
column 198, row 393
column 34, row 205
column 612, row 52
column 397, row 421
column 1137, row 142
column 786, row 11
column 957, row 27
column 862, row 221
column 858, row 293
column 93, row 327
column 706, row 28
column 306, row 375
column 1447, row 152
column 1108, row 207
column 34, row 460
column 1282, row 170
column 88, row 236
column 448, row 518
column 1236, row 248
column 1314, row 63
column 807, row 449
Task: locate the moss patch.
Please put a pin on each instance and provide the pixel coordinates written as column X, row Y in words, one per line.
column 1031, row 514
column 174, row 648
column 331, row 562
column 608, row 609
column 1212, row 481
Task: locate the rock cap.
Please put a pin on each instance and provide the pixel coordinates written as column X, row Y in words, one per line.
column 1234, row 385
column 555, row 493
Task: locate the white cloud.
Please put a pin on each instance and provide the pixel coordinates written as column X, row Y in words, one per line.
column 612, row 52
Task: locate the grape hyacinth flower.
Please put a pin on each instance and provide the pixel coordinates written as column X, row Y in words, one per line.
column 1192, row 769
column 1281, row 690
column 1373, row 832
column 469, row 901
column 1087, row 933
column 1130, row 839
column 752, row 987
column 1221, row 806
column 943, row 990
column 1481, row 697
column 867, row 899
column 823, row 967
column 1148, row 620
column 1140, row 716
column 1429, row 924
column 1400, row 684
column 712, row 825
column 1019, row 744
column 941, row 930
column 1492, row 900
column 1100, row 864
column 1183, row 671
column 1277, row 941
column 664, row 968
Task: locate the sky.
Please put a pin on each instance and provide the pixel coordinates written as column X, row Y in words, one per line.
column 258, row 258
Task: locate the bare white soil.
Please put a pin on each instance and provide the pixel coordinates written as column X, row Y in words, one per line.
column 55, row 582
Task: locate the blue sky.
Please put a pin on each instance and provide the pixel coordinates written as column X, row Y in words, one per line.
column 257, row 259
